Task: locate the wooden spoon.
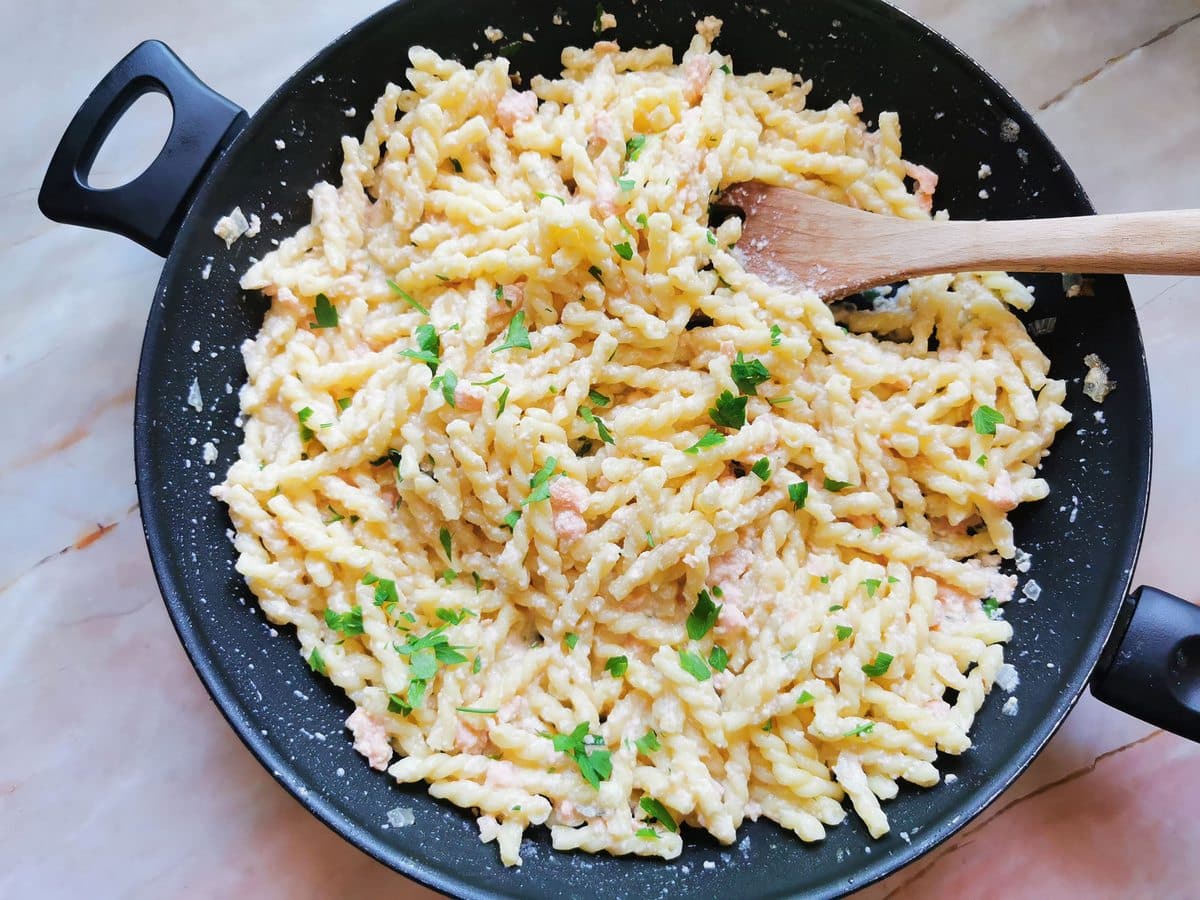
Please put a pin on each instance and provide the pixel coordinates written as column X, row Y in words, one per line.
column 836, row 250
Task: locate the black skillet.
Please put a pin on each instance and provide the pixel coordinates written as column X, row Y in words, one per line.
column 1143, row 657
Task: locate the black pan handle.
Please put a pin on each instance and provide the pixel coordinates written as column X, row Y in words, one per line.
column 150, row 208
column 1151, row 666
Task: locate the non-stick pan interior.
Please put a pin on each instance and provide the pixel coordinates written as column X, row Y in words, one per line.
column 1083, row 538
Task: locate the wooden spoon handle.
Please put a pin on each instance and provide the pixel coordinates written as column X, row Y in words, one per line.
column 1149, row 243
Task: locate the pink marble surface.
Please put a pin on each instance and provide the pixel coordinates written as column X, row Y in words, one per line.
column 118, row 777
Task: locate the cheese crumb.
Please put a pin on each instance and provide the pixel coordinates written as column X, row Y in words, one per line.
column 1010, row 706
column 1032, row 589
column 400, row 817
column 279, row 145
column 277, row 218
column 1096, row 384
column 231, row 227
column 1009, row 131
column 209, row 454
column 255, row 226
column 985, row 171
column 607, row 21
column 950, row 778
column 1007, row 678
column 983, row 194
column 493, row 34
column 194, row 400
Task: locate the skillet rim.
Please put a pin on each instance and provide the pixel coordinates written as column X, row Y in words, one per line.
column 160, row 543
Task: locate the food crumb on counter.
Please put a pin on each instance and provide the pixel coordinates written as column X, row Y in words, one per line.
column 983, row 194
column 985, row 171
column 349, row 112
column 209, row 453
column 1009, row 131
column 1010, row 707
column 950, row 778
column 1032, row 589
column 493, row 34
column 279, row 145
column 607, row 21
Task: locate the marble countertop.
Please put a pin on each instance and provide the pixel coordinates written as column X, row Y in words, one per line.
column 119, row 778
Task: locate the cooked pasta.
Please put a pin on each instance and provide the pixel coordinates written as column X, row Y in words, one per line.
column 598, row 530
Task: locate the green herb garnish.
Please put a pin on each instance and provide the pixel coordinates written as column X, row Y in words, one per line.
column 517, row 335
column 703, row 616
column 658, row 813
column 348, row 623
column 798, row 494
column 406, row 297
column 624, row 250
column 594, row 765
column 748, row 374
column 730, row 411
column 879, row 666
column 843, row 632
column 325, row 314
column 762, row 469
column 835, row 486
column 316, row 662
column 986, row 419
column 693, row 665
column 718, row 658
column 617, row 666
column 648, row 742
column 633, row 146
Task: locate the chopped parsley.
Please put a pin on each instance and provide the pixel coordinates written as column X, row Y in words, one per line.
column 444, row 538
column 776, row 335
column 396, row 704
column 711, row 438
column 633, row 146
column 325, row 314
column 344, row 403
column 724, row 67
column 625, row 184
column 693, row 665
column 571, row 640
column 385, row 591
column 489, row 382
column 805, row 697
column 648, row 834
column 982, row 460
column 710, row 237
column 479, row 711
column 456, row 164
column 406, row 297
column 879, row 666
column 843, row 632
column 448, row 382
column 836, row 606
column 992, row 607
column 595, row 766
column 857, row 730
column 642, row 220
column 429, row 345
column 510, row 520
column 441, row 277
column 835, row 486
column 591, row 418
column 649, row 540
column 595, row 272
column 598, row 398
column 451, row 617
column 703, row 616
column 648, row 742
column 503, row 401
column 544, row 196
column 798, row 494
column 748, row 374
column 540, row 482
column 597, row 25
column 517, row 335
column 658, row 813
column 476, row 666
column 762, row 469
column 718, row 658
column 617, row 666
column 780, row 401
column 872, row 585
column 306, row 433
column 478, row 581
column 876, row 530
column 986, row 419
column 509, row 50
column 624, row 250
column 348, row 623
column 334, row 516
column 730, row 411
column 316, row 662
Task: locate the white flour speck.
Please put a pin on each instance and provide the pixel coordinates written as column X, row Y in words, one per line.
column 279, row 145
column 195, row 346
column 950, row 778
column 1007, row 678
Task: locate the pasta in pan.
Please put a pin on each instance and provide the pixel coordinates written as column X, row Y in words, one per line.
column 598, row 530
